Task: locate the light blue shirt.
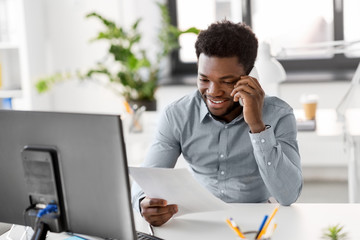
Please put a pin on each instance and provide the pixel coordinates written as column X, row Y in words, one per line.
column 232, row 163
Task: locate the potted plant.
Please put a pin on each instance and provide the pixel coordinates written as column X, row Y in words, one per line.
column 135, row 77
column 334, row 232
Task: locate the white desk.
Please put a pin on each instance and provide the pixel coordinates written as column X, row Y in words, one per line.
column 297, row 222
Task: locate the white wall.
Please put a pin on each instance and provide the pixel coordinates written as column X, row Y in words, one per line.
column 66, row 33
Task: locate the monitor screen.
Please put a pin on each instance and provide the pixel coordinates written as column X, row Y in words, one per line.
column 92, row 165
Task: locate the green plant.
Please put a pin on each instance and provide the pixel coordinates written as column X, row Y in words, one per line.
column 334, row 232
column 135, row 72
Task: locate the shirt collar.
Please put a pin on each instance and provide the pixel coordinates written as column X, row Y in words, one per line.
column 203, row 110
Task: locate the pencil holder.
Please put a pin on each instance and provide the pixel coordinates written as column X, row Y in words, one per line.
column 136, row 125
column 251, row 235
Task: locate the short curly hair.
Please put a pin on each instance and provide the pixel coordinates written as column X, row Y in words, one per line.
column 228, row 39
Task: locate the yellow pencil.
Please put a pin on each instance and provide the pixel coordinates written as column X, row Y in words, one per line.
column 127, row 107
column 235, row 228
column 271, row 231
column 268, row 222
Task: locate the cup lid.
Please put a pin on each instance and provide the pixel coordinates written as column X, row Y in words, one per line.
column 309, row 98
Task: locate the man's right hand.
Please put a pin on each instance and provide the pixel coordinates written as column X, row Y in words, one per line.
column 156, row 211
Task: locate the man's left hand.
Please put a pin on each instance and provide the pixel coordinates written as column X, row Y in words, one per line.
column 250, row 91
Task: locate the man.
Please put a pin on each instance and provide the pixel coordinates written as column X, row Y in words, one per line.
column 239, row 153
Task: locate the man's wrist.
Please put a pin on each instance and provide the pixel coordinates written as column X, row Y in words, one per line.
column 140, row 200
column 257, row 128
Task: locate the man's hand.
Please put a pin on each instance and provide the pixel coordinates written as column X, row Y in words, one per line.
column 156, row 211
column 249, row 89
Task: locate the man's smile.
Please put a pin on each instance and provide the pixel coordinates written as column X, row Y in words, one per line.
column 216, row 102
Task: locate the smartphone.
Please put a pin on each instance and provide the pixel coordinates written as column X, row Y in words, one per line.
column 253, row 73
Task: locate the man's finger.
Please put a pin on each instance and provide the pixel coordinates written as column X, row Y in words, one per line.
column 159, row 220
column 160, row 210
column 242, row 89
column 247, row 80
column 153, row 202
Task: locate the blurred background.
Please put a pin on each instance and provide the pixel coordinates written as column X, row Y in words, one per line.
column 315, row 45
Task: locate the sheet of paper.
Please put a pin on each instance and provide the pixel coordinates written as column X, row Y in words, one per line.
column 177, row 186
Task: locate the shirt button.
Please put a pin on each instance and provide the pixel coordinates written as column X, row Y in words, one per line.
column 262, row 140
column 222, row 172
column 254, row 141
column 226, row 126
column 222, row 191
column 222, row 155
column 269, row 163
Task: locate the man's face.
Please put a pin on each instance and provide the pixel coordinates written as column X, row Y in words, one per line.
column 216, row 80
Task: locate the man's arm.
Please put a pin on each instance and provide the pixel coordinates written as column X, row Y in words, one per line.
column 160, row 155
column 163, row 153
column 276, row 153
column 275, row 148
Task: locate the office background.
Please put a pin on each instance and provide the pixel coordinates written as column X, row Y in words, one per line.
column 44, row 37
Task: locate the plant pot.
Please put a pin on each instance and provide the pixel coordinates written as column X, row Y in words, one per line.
column 150, row 105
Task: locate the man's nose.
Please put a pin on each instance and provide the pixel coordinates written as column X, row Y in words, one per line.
column 214, row 89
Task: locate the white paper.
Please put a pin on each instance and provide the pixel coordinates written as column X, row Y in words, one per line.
column 177, row 186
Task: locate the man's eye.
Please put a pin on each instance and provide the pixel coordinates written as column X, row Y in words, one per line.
column 229, row 83
column 203, row 80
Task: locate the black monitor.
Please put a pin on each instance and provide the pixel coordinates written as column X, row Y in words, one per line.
column 89, row 170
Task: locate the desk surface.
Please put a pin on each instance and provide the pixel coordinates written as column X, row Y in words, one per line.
column 297, row 222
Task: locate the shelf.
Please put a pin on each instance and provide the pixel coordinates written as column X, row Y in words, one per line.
column 8, row 45
column 10, row 93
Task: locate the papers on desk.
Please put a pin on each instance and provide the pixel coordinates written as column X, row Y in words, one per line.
column 177, row 186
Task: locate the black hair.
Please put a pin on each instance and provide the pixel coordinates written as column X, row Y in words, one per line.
column 228, row 39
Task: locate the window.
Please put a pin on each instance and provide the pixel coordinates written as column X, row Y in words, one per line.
column 294, row 24
column 205, row 12
column 351, row 24
column 290, row 29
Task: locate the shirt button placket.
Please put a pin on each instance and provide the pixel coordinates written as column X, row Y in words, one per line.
column 223, row 142
column 221, row 175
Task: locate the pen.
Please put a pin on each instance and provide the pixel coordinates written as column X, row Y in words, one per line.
column 261, row 226
column 151, row 230
column 234, row 227
column 268, row 222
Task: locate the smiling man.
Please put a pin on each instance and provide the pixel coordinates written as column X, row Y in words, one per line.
column 242, row 154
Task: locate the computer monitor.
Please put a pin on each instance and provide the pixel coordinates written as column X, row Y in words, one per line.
column 92, row 166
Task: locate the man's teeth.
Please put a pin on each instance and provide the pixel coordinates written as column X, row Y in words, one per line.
column 216, row 101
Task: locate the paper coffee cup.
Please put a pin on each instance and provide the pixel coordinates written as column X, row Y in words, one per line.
column 309, row 103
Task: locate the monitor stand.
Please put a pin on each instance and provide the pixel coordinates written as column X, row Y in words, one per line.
column 40, row 231
column 42, row 174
